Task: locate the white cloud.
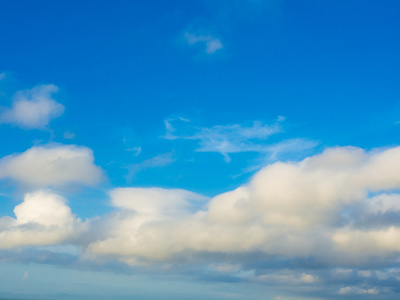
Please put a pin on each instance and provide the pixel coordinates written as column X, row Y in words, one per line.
column 226, row 139
column 42, row 218
column 136, row 150
column 289, row 209
column 2, row 76
column 69, row 135
column 25, row 277
column 287, row 277
column 212, row 44
column 34, row 108
column 357, row 290
column 52, row 165
column 157, row 161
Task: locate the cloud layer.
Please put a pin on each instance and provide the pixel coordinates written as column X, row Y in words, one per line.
column 332, row 217
column 309, row 208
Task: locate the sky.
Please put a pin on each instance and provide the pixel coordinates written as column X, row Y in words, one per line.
column 229, row 149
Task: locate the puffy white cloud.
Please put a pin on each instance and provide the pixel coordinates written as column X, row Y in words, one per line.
column 34, row 108
column 43, row 218
column 211, row 43
column 292, row 209
column 52, row 165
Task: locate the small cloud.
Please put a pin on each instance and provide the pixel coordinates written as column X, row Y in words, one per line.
column 2, row 76
column 157, row 161
column 25, row 277
column 360, row 291
column 281, row 118
column 211, row 43
column 51, row 165
column 69, row 135
column 136, row 150
column 34, row 108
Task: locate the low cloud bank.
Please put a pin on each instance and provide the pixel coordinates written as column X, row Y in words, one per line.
column 339, row 207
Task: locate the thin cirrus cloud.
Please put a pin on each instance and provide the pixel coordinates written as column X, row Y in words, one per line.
column 51, row 165
column 34, row 108
column 224, row 139
column 211, row 43
column 161, row 160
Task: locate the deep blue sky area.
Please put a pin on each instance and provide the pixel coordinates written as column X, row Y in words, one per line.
column 199, row 96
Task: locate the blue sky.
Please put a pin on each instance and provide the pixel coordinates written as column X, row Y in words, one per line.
column 209, row 149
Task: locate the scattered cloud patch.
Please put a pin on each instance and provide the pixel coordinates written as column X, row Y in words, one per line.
column 43, row 218
column 211, row 43
column 25, row 277
column 69, row 135
column 34, row 108
column 51, row 165
column 136, row 150
column 2, row 76
column 161, row 160
column 236, row 138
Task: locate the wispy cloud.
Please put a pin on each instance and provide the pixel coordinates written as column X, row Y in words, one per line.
column 211, row 43
column 34, row 108
column 69, row 135
column 2, row 76
column 136, row 150
column 225, row 139
column 157, row 161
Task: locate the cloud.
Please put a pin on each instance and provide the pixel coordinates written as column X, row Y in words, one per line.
column 300, row 226
column 226, row 139
column 42, row 218
column 212, row 44
column 156, row 161
column 136, row 150
column 2, row 76
column 293, row 209
column 25, row 277
column 34, row 108
column 69, row 135
column 51, row 165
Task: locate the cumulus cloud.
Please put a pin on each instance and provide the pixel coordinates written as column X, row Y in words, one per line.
column 292, row 209
column 51, row 165
column 212, row 44
column 43, row 218
column 34, row 108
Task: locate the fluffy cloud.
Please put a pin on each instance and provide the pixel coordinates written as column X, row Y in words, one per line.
column 211, row 43
column 42, row 218
column 52, row 165
column 295, row 209
column 34, row 108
